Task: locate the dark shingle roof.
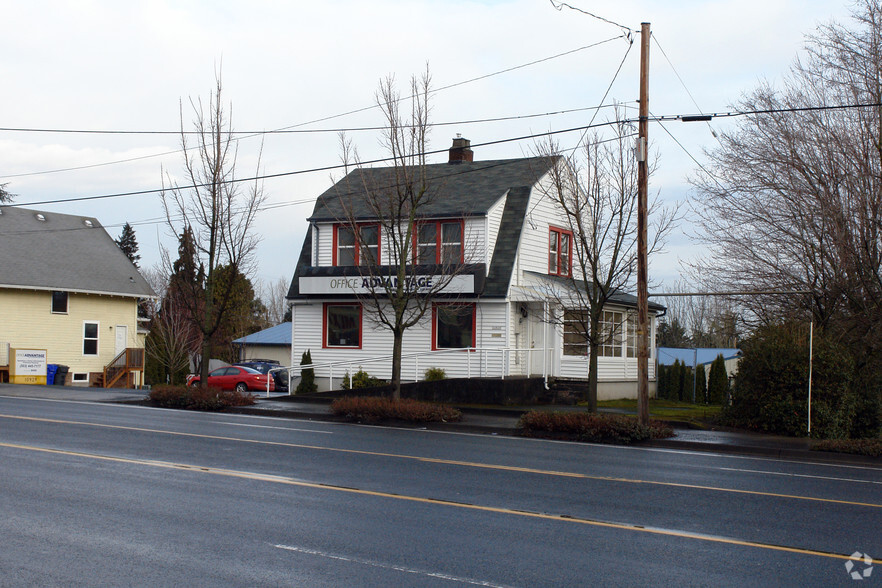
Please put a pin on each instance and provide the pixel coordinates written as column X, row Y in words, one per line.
column 63, row 252
column 462, row 189
column 618, row 297
column 507, row 240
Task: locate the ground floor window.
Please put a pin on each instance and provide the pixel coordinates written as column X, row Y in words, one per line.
column 612, row 331
column 575, row 332
column 342, row 325
column 90, row 338
column 631, row 341
column 453, row 326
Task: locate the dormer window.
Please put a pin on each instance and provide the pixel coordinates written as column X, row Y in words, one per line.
column 439, row 242
column 560, row 252
column 346, row 249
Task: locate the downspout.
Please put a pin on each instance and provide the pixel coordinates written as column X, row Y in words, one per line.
column 546, row 342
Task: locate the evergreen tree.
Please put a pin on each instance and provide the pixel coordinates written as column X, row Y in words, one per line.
column 718, row 386
column 700, row 384
column 661, row 381
column 307, row 376
column 128, row 244
column 680, row 381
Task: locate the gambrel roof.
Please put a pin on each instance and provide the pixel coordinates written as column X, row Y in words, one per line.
column 42, row 250
column 455, row 190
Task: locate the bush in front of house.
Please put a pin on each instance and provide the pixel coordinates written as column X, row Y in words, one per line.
column 197, row 398
column 374, row 409
column 307, row 383
column 435, row 374
column 361, row 379
column 590, row 427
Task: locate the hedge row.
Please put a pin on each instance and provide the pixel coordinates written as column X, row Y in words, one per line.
column 198, row 398
column 590, row 427
column 373, row 409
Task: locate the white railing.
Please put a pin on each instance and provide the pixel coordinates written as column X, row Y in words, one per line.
column 480, row 363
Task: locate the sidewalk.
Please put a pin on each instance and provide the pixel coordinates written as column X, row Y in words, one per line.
column 487, row 421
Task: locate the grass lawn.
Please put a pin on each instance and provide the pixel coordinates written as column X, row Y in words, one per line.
column 667, row 410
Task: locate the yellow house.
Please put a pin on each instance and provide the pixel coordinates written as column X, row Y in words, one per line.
column 65, row 287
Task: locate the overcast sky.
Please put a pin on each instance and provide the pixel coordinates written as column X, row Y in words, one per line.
column 126, row 66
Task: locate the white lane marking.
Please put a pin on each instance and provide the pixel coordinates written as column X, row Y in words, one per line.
column 268, row 427
column 388, row 566
column 801, row 476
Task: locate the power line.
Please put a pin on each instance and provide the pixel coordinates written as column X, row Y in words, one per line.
column 682, row 83
column 560, row 6
column 663, row 118
column 306, row 131
column 304, row 171
column 340, row 115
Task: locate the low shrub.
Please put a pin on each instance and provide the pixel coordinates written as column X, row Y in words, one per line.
column 870, row 447
column 590, row 427
column 435, row 374
column 198, row 397
column 361, row 379
column 373, row 409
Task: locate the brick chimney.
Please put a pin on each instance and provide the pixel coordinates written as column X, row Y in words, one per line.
column 461, row 151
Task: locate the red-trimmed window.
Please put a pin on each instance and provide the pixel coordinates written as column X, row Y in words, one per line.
column 346, row 244
column 453, row 326
column 560, row 252
column 439, row 242
column 341, row 325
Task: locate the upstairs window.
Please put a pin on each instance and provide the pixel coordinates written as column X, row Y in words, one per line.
column 439, row 242
column 59, row 302
column 347, row 250
column 560, row 252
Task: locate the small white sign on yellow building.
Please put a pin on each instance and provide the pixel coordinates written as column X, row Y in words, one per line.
column 28, row 366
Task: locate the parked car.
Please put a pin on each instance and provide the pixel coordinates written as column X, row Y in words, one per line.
column 264, row 366
column 235, row 377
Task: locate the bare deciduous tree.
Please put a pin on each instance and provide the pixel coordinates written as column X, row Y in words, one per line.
column 382, row 212
column 595, row 192
column 795, row 200
column 172, row 337
column 219, row 211
column 273, row 295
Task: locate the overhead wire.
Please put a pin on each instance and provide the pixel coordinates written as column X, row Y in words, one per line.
column 331, row 117
column 663, row 118
column 682, row 83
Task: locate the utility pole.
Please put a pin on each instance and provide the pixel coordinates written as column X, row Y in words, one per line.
column 642, row 213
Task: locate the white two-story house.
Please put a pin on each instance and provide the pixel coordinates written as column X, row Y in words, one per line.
column 494, row 223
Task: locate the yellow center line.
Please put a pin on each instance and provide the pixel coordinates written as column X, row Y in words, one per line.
column 467, row 464
column 433, row 501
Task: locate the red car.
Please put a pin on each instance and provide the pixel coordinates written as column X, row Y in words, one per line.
column 235, row 377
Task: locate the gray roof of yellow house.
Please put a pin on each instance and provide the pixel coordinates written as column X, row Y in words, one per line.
column 41, row 250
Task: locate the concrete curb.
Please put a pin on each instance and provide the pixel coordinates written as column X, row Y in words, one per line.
column 767, row 451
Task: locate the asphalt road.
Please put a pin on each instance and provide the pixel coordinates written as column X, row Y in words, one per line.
column 103, row 494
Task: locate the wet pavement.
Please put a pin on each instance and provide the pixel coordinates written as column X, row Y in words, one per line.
column 488, row 421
